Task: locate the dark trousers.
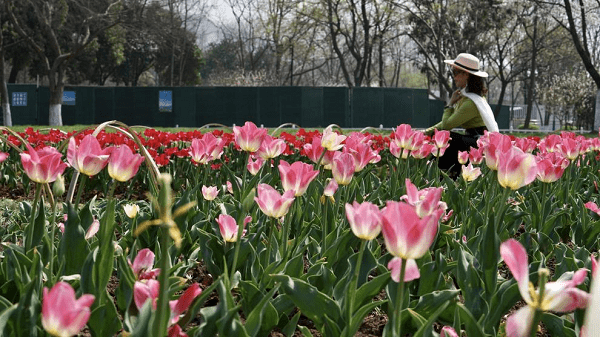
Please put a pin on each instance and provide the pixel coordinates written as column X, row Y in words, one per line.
column 458, row 142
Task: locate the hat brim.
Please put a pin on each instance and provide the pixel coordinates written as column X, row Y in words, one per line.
column 476, row 73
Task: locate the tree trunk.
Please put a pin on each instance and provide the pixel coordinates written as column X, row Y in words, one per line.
column 530, row 90
column 597, row 114
column 7, row 120
column 56, row 88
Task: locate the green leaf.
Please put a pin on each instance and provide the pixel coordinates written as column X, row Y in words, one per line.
column 230, row 325
column 73, row 249
column 489, row 251
column 556, row 326
column 358, row 317
column 103, row 268
column 289, row 329
column 142, row 325
column 104, row 320
column 313, row 303
column 428, row 304
column 39, row 225
column 264, row 315
column 470, row 283
column 6, row 314
column 426, row 328
column 369, row 290
column 472, row 326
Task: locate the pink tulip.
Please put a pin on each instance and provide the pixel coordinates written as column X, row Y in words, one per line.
column 330, row 140
column 551, row 166
column 470, row 173
column 516, row 168
column 142, row 265
column 314, row 151
column 592, row 207
column 331, row 188
column 43, row 165
column 271, row 147
column 525, row 144
column 271, row 202
column 145, row 290
column 229, row 186
column 249, row 137
column 123, row 164
column 179, row 306
column 570, row 148
column 425, row 150
column 176, row 331
column 342, row 168
column 425, row 201
column 395, row 150
column 560, row 296
column 3, row 156
column 363, row 155
column 411, row 272
column 463, row 157
column 92, row 230
column 403, row 135
column 297, row 176
column 207, row 148
column 441, row 138
column 229, row 228
column 62, row 314
column 254, row 164
column 210, row 192
column 476, row 155
column 364, row 219
column 87, row 158
column 550, row 143
column 494, row 146
column 448, row 331
column 407, row 235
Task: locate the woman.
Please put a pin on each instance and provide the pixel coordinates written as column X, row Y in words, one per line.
column 467, row 109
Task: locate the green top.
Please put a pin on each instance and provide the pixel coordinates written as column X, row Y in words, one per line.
column 464, row 114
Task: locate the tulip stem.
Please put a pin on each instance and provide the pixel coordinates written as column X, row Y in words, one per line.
column 399, row 300
column 354, row 282
column 52, row 234
column 238, row 242
column 80, row 190
column 162, row 308
column 324, row 228
column 543, row 273
column 34, row 207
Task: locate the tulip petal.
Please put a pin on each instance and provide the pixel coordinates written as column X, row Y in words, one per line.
column 515, row 257
column 519, row 323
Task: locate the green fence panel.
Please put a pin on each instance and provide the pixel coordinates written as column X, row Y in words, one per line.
column 312, row 107
column 243, row 104
column 125, row 107
column 336, row 106
column 290, row 106
column 23, row 107
column 367, row 107
column 503, row 118
column 421, row 109
column 436, row 110
column 268, row 106
column 210, row 107
column 43, row 106
column 104, row 100
column 398, row 107
column 184, row 106
column 81, row 110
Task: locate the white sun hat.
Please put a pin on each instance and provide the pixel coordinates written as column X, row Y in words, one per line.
column 468, row 63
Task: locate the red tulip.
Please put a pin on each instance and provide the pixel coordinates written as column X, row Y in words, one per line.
column 297, row 176
column 62, row 314
column 43, row 165
column 179, row 306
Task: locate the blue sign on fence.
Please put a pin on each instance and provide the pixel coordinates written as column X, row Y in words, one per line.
column 68, row 98
column 19, row 99
column 165, row 101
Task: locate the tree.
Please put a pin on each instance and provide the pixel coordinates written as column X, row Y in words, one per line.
column 68, row 27
column 6, row 116
column 585, row 39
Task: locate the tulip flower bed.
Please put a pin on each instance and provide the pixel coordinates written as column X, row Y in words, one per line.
column 246, row 234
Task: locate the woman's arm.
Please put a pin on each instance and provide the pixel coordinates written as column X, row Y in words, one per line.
column 456, row 117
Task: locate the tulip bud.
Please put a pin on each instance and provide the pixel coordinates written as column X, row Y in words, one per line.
column 58, row 187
